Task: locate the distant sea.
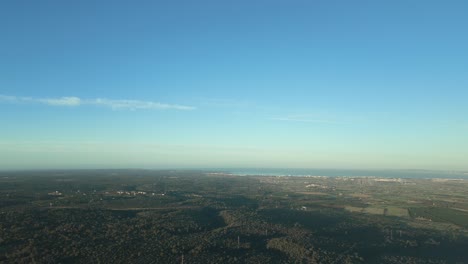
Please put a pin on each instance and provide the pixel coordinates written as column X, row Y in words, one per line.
column 421, row 174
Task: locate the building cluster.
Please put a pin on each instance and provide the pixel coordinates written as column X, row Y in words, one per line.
column 134, row 193
column 388, row 180
column 313, row 185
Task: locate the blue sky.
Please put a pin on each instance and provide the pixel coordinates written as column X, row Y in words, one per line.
column 182, row 84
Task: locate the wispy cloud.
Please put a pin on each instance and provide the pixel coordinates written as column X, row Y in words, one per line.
column 322, row 117
column 136, row 104
column 305, row 119
column 62, row 101
column 7, row 98
column 72, row 101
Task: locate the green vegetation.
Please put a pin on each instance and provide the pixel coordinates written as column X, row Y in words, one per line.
column 441, row 214
column 138, row 216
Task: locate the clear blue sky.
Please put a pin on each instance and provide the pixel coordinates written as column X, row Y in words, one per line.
column 157, row 84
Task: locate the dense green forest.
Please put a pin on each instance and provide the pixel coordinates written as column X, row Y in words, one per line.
column 197, row 217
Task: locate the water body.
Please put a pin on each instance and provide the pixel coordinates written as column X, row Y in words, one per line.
column 413, row 174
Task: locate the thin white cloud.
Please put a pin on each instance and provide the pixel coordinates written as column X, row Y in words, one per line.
column 136, row 104
column 73, row 101
column 321, row 117
column 63, row 101
column 7, row 98
column 304, row 120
